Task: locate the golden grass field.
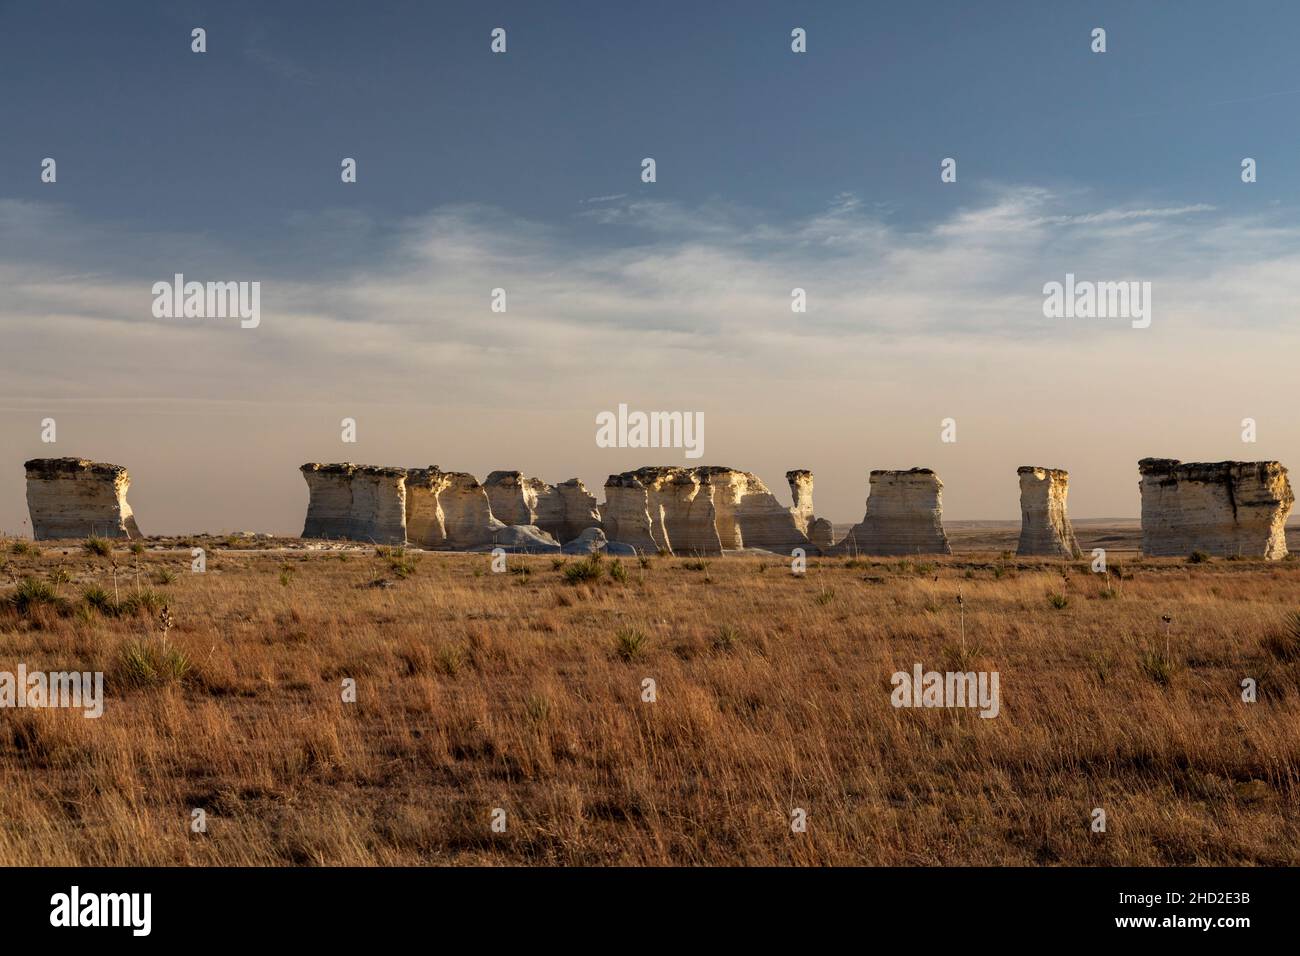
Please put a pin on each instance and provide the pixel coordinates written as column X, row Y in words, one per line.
column 522, row 691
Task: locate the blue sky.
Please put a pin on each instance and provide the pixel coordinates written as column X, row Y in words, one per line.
column 244, row 137
column 774, row 170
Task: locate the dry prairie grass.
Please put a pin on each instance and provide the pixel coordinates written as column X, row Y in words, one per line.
column 523, row 691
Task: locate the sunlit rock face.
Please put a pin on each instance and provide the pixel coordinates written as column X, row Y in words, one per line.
column 1223, row 508
column 1044, row 523
column 626, row 513
column 661, row 508
column 904, row 516
column 801, row 493
column 750, row 516
column 705, row 510
column 512, row 496
column 76, row 498
column 448, row 510
column 355, row 502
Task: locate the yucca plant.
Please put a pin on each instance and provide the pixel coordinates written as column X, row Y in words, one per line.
column 1284, row 643
column 99, row 547
column 630, row 644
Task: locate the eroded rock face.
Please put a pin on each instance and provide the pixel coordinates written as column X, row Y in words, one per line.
column 1223, row 508
column 512, row 496
column 904, row 516
column 76, row 498
column 563, row 511
column 821, row 534
column 577, row 511
column 801, row 493
column 705, row 510
column 448, row 510
column 627, row 513
column 749, row 516
column 355, row 502
column 689, row 516
column 1044, row 524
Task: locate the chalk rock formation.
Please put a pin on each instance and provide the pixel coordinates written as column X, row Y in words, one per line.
column 1044, row 525
column 448, row 510
column 591, row 539
column 749, row 516
column 76, row 498
column 801, row 493
column 355, row 502
column 821, row 534
column 563, row 511
column 705, row 510
column 512, row 496
column 904, row 516
column 626, row 514
column 576, row 510
column 686, row 506
column 1223, row 508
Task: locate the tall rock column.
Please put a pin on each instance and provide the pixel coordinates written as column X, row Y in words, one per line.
column 626, row 514
column 378, row 505
column 904, row 516
column 801, row 493
column 76, row 498
column 1044, row 525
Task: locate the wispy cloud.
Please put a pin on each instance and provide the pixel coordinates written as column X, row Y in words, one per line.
column 705, row 287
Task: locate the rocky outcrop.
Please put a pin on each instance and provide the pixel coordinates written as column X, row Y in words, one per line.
column 355, row 502
column 563, row 511
column 448, row 510
column 512, row 496
column 626, row 514
column 749, row 516
column 685, row 504
column 576, row 511
column 1044, row 524
column 821, row 534
column 591, row 540
column 801, row 493
column 76, row 498
column 427, row 507
column 661, row 509
column 705, row 510
column 1227, row 508
column 904, row 516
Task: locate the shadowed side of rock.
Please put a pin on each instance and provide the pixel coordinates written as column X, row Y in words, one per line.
column 355, row 502
column 904, row 516
column 77, row 498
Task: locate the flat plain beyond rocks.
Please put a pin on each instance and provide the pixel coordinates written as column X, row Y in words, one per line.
column 523, row 691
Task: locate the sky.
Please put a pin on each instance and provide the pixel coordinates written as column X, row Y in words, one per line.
column 522, row 171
